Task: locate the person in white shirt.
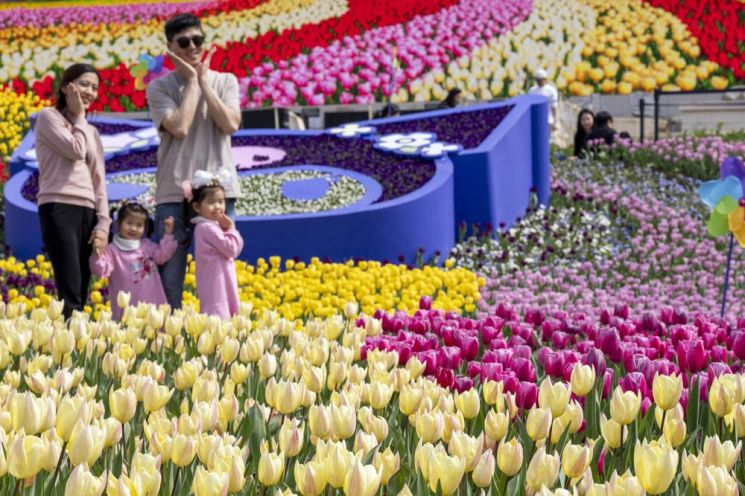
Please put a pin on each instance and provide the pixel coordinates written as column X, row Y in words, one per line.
column 543, row 87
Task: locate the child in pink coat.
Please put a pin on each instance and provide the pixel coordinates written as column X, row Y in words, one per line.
column 216, row 244
column 131, row 262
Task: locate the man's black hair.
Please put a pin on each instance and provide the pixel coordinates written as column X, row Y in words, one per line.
column 181, row 22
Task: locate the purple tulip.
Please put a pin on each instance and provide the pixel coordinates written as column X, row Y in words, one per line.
column 595, row 359
column 445, row 377
column 523, row 369
column 607, row 382
column 635, row 382
column 691, row 355
column 610, row 343
column 462, row 383
column 738, row 344
column 527, row 395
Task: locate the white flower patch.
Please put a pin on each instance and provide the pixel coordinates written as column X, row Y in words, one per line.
column 439, row 149
column 262, row 193
column 351, row 130
column 405, row 144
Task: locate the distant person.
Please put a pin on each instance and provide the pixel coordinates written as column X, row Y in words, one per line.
column 624, row 135
column 603, row 129
column 453, row 99
column 390, row 110
column 543, row 87
column 585, row 122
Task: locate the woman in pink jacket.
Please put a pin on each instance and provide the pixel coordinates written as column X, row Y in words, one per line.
column 216, row 244
column 72, row 199
column 131, row 261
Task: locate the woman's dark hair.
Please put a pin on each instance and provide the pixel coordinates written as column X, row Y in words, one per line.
column 389, row 110
column 134, row 208
column 602, row 119
column 452, row 95
column 71, row 74
column 179, row 23
column 581, row 133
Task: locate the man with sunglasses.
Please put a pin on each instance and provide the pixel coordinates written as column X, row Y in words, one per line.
column 195, row 110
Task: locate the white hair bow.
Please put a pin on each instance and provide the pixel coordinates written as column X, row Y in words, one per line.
column 202, row 178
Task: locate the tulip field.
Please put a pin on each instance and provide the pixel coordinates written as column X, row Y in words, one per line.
column 584, row 350
column 579, row 351
column 354, row 51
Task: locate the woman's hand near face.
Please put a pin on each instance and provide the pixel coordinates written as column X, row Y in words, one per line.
column 74, row 101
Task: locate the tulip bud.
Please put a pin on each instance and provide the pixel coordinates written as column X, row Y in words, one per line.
column 445, row 471
column 667, row 390
column 122, row 299
column 722, row 397
column 554, row 396
column 538, row 423
column 575, row 459
column 582, row 379
column 624, row 406
column 271, row 467
column 496, row 425
column 86, row 444
column 493, row 392
column 510, row 457
column 183, row 449
column 319, row 420
column 291, row 438
column 341, row 459
column 674, row 432
column 25, row 454
column 468, row 403
column 267, row 366
column 409, row 399
column 123, row 404
column 715, row 480
column 155, row 396
column 720, row 454
column 430, row 426
column 611, row 431
column 310, row 478
column 467, row 448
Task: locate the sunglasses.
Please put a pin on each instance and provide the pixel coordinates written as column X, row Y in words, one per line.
column 185, row 41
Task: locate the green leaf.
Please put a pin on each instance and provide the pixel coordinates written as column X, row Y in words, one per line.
column 693, row 405
column 421, row 484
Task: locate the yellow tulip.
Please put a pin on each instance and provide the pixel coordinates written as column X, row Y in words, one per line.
column 689, row 467
column 430, row 426
column 69, row 412
column 624, row 485
column 484, row 469
column 25, row 454
column 554, row 396
column 575, row 459
column 29, row 412
column 343, row 421
column 675, row 412
column 291, row 437
column 716, row 481
column 341, row 459
column 362, row 480
column 380, row 395
column 722, row 397
column 446, row 472
column 123, row 404
column 655, row 465
column 468, row 403
column 467, row 448
column 310, row 478
column 183, row 449
column 493, row 392
column 624, row 406
column 674, row 432
column 319, row 421
column 582, row 379
column 86, row 444
column 496, row 425
column 611, row 431
column 543, row 470
column 667, row 390
column 538, row 423
column 510, row 457
column 155, row 396
column 717, row 453
column 388, row 462
column 271, row 468
column 83, row 483
column 208, row 483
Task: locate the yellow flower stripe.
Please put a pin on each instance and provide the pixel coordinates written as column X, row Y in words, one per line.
column 638, row 47
column 551, row 37
column 14, row 118
column 32, row 52
column 297, row 291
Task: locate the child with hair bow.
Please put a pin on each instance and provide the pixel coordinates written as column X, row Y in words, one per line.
column 216, row 243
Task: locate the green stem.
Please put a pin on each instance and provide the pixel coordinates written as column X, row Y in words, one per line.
column 59, row 463
column 175, row 481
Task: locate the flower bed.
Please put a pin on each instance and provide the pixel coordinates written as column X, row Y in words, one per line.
column 15, row 110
